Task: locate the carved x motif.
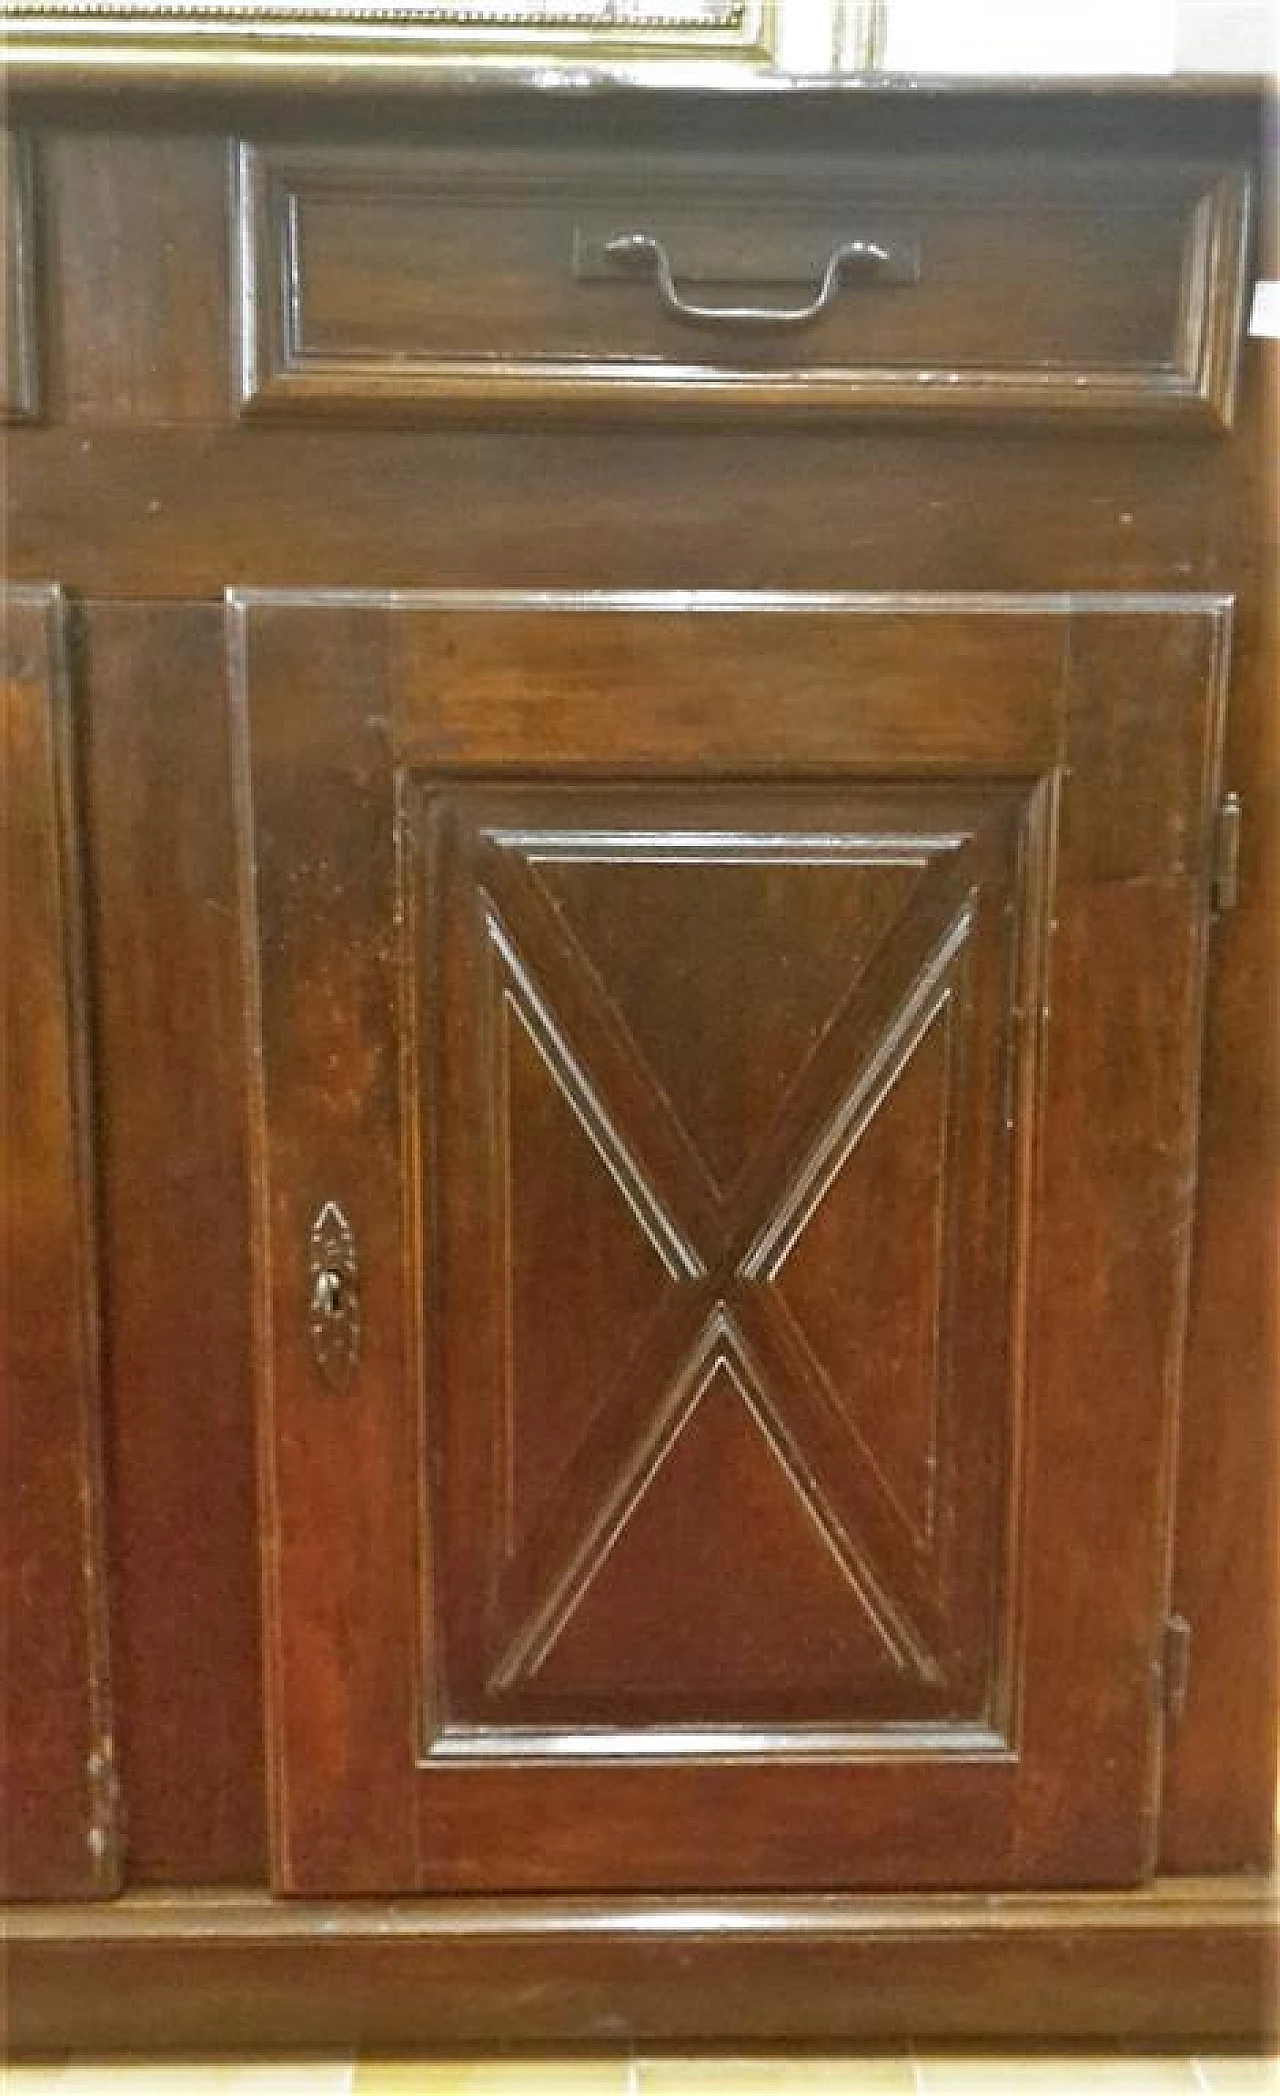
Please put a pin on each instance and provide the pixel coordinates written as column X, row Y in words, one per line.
column 720, row 1249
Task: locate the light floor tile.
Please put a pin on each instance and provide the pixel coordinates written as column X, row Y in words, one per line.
column 776, row 2077
column 607, row 2077
column 184, row 2078
column 1239, row 2077
column 1074, row 2075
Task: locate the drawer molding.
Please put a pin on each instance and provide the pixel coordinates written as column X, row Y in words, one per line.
column 19, row 345
column 334, row 323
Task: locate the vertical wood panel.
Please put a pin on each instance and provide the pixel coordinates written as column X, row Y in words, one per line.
column 176, row 1231
column 1124, row 1002
column 58, row 1830
column 340, row 1484
column 1220, row 1782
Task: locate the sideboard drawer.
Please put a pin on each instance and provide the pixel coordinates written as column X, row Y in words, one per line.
column 418, row 281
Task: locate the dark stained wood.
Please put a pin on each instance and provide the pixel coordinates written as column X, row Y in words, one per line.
column 59, row 1821
column 543, row 1729
column 19, row 335
column 330, row 966
column 634, row 689
column 175, row 1221
column 1220, row 1807
column 210, row 509
column 138, row 273
column 1143, row 842
column 1188, row 1963
column 688, row 1033
column 422, row 281
column 140, row 484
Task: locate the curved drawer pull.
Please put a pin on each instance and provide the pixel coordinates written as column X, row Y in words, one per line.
column 641, row 249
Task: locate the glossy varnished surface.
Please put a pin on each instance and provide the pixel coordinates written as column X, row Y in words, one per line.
column 930, row 1746
column 140, row 481
column 1182, row 1963
column 436, row 281
column 59, row 1818
column 174, row 1212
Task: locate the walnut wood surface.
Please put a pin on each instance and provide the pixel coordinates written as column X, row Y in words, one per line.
column 428, row 281
column 1182, row 1964
column 174, row 1209
column 555, row 1680
column 139, row 483
column 59, row 1822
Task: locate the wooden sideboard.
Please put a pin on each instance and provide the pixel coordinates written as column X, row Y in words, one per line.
column 638, row 1064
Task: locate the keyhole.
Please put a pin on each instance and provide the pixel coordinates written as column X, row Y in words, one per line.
column 327, row 1299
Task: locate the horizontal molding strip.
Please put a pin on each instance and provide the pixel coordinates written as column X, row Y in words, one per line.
column 1184, row 1962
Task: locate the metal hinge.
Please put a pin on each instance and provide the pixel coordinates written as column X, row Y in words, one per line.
column 1175, row 1666
column 106, row 1815
column 1226, row 854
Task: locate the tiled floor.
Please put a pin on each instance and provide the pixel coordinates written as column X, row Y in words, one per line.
column 920, row 2074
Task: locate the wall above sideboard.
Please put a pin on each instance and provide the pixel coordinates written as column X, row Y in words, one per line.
column 688, row 42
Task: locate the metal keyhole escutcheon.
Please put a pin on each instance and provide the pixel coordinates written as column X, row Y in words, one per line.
column 334, row 1304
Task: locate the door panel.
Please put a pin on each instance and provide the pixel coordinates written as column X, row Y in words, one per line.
column 713, row 1130
column 714, row 1032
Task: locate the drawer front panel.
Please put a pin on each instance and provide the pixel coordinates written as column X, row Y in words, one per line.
column 420, row 281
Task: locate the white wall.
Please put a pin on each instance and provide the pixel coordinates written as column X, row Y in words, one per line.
column 1040, row 36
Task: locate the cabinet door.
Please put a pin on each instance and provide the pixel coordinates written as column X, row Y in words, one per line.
column 724, row 1146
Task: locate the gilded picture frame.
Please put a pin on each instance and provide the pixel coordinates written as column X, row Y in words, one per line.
column 670, row 41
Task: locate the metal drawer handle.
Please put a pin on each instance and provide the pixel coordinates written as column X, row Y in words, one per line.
column 641, row 250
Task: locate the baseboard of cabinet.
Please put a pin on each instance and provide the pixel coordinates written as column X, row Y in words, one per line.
column 1183, row 1963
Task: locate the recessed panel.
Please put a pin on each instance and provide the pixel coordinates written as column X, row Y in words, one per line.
column 691, row 1070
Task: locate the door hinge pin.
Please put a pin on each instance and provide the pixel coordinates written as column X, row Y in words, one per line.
column 1175, row 1666
column 1226, row 854
column 105, row 1829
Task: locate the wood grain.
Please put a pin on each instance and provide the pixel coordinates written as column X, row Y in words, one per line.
column 912, row 687
column 338, row 1714
column 137, row 276
column 139, row 484
column 427, row 282
column 1217, row 1808
column 60, row 1833
column 1188, row 1962
column 384, row 509
column 175, row 1221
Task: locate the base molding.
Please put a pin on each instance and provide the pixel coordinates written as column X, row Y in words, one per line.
column 1185, row 1962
